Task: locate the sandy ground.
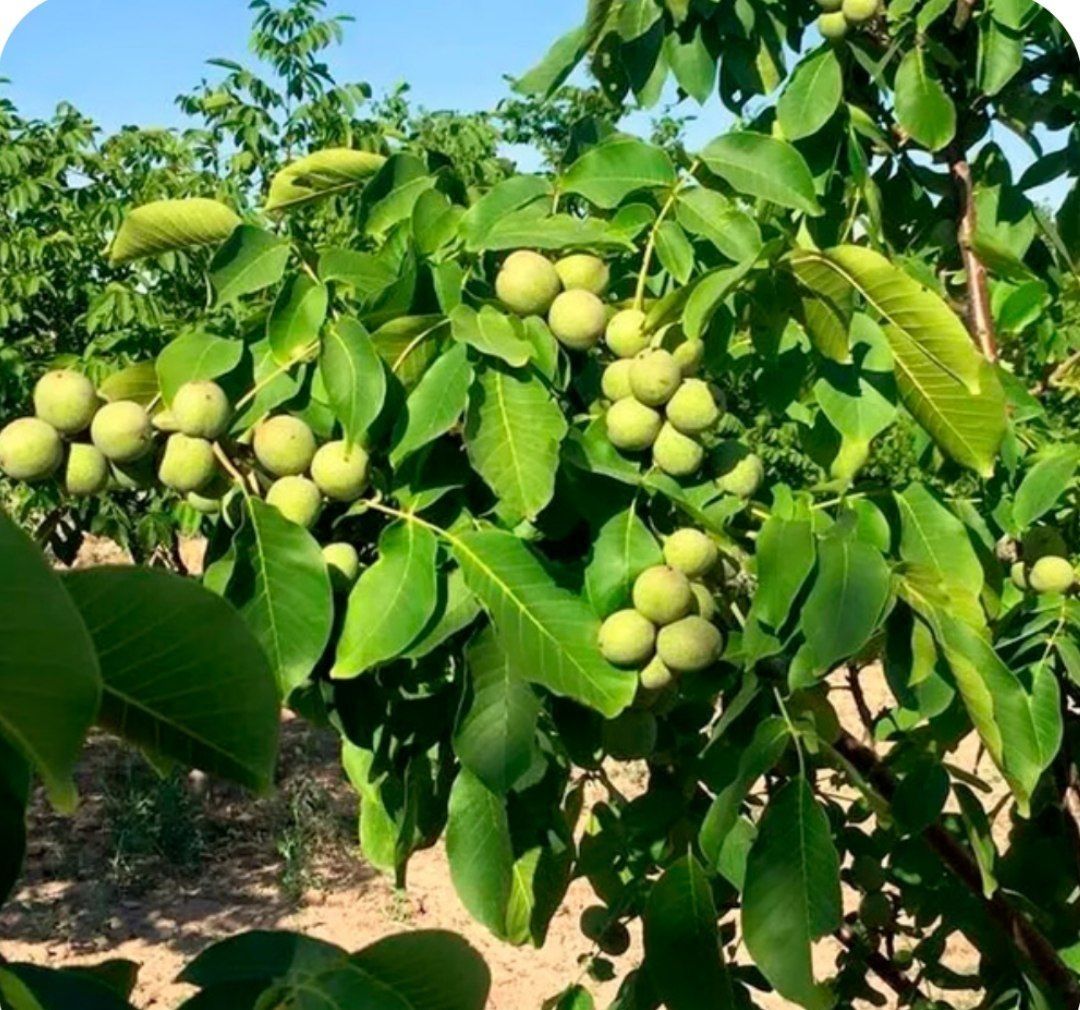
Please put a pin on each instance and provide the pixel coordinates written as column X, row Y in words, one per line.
column 82, row 902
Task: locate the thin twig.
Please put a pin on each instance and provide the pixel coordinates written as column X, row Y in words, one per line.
column 980, row 315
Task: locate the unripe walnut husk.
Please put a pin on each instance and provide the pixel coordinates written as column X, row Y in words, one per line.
column 627, row 638
column 631, row 426
column 663, row 595
column 688, row 356
column 656, row 676
column 343, row 563
column 1051, row 575
column 297, row 499
column 859, row 11
column 187, row 464
column 582, row 272
column 122, row 431
column 691, row 552
column 743, row 472
column 693, row 410
column 690, row 645
column 284, row 446
column 341, row 471
column 66, row 400
column 201, row 410
column 528, row 283
column 654, row 377
column 577, row 320
column 677, row 454
column 625, row 334
column 86, row 471
column 704, row 601
column 615, row 383
column 833, row 26
column 30, row 449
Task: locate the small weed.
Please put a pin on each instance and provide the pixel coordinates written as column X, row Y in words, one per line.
column 309, row 825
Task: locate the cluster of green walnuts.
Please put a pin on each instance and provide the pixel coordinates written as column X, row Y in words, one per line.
column 842, row 15
column 91, row 447
column 1044, row 565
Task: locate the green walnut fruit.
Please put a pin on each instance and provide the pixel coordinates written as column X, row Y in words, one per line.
column 341, row 471
column 615, row 383
column 528, row 283
column 743, row 478
column 654, row 377
column 627, row 638
column 1051, row 575
column 615, row 940
column 187, row 464
column 297, row 499
column 165, row 420
column 688, row 356
column 868, row 874
column 704, row 601
column 1018, row 575
column 577, row 319
column 631, row 426
column 582, row 272
column 625, row 335
column 201, row 410
column 833, row 26
column 630, row 736
column 876, row 911
column 693, row 410
column 663, row 595
column 344, row 565
column 209, row 500
column 594, row 920
column 689, row 645
column 30, row 449
column 122, row 431
column 86, row 471
column 858, row 12
column 66, row 400
column 677, row 454
column 284, row 446
column 656, row 676
column 691, row 552
column 1041, row 541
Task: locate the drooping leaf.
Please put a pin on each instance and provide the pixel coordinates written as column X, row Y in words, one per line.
column 436, row 405
column 49, row 676
column 812, row 95
column 182, row 674
column 608, row 173
column 251, row 260
column 352, row 372
column 513, row 431
column 791, row 895
column 392, row 601
column 763, row 167
column 297, row 318
column 491, row 333
column 923, row 107
column 1044, row 485
column 172, row 225
column 548, row 633
column 323, row 173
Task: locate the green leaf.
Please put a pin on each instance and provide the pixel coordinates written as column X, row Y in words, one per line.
column 491, row 333
column 708, row 295
column 949, row 388
column 560, row 231
column 392, row 194
column 456, row 609
column 682, row 946
column 183, row 676
column 513, row 431
column 765, row 168
column 353, row 374
column 297, row 318
column 608, row 173
column 30, row 987
column 693, row 65
column 1044, row 485
column 496, row 737
column 1001, row 55
column 14, row 794
column 623, row 549
column 261, row 956
column 980, row 836
column 785, row 557
column 515, row 194
column 194, row 357
column 281, row 587
column 435, row 406
column 49, row 677
column 856, row 401
column 479, row 851
column 252, row 259
column 274, row 387
column 713, row 216
column 321, row 174
column 791, row 895
column 170, row 226
column 381, row 832
column 548, row 633
column 136, row 382
column 391, row 603
column 674, row 251
column 812, row 95
column 923, row 108
column 847, row 600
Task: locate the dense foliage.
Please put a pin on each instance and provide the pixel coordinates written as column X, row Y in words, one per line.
column 510, row 478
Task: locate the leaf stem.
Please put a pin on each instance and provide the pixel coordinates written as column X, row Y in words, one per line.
column 280, row 370
column 650, row 246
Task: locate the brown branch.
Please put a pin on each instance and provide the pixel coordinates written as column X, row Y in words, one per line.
column 1025, row 936
column 861, row 706
column 980, row 316
column 880, row 965
column 964, row 10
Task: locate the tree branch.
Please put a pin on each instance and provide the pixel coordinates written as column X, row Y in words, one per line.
column 1025, row 936
column 880, row 965
column 980, row 316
